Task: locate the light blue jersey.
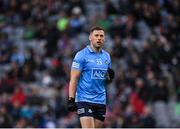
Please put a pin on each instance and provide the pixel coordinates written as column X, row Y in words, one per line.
column 93, row 67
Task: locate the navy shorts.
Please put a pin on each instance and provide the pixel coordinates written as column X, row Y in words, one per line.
column 97, row 111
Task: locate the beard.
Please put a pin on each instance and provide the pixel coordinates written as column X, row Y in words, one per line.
column 98, row 45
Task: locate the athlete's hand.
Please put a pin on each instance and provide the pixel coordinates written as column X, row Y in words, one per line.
column 110, row 75
column 72, row 105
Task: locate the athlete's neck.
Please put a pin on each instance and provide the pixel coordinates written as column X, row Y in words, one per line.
column 95, row 49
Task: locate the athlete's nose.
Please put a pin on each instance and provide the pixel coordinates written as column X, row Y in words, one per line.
column 99, row 38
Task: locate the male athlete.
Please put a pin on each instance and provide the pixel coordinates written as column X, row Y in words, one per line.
column 90, row 73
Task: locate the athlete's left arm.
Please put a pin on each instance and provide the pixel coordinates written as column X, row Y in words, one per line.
column 110, row 73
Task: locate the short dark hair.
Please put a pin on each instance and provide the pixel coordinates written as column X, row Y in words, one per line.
column 96, row 28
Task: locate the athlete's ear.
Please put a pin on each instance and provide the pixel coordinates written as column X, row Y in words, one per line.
column 89, row 37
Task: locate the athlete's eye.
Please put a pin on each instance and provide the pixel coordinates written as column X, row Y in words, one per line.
column 101, row 36
column 96, row 35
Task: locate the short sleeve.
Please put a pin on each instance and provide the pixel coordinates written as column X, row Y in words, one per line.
column 109, row 60
column 78, row 61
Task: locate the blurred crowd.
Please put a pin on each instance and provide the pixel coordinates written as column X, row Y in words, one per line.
column 39, row 38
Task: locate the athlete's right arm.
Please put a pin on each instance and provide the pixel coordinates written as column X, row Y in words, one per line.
column 75, row 74
column 74, row 77
column 76, row 69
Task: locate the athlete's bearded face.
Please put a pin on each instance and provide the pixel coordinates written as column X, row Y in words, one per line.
column 97, row 38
